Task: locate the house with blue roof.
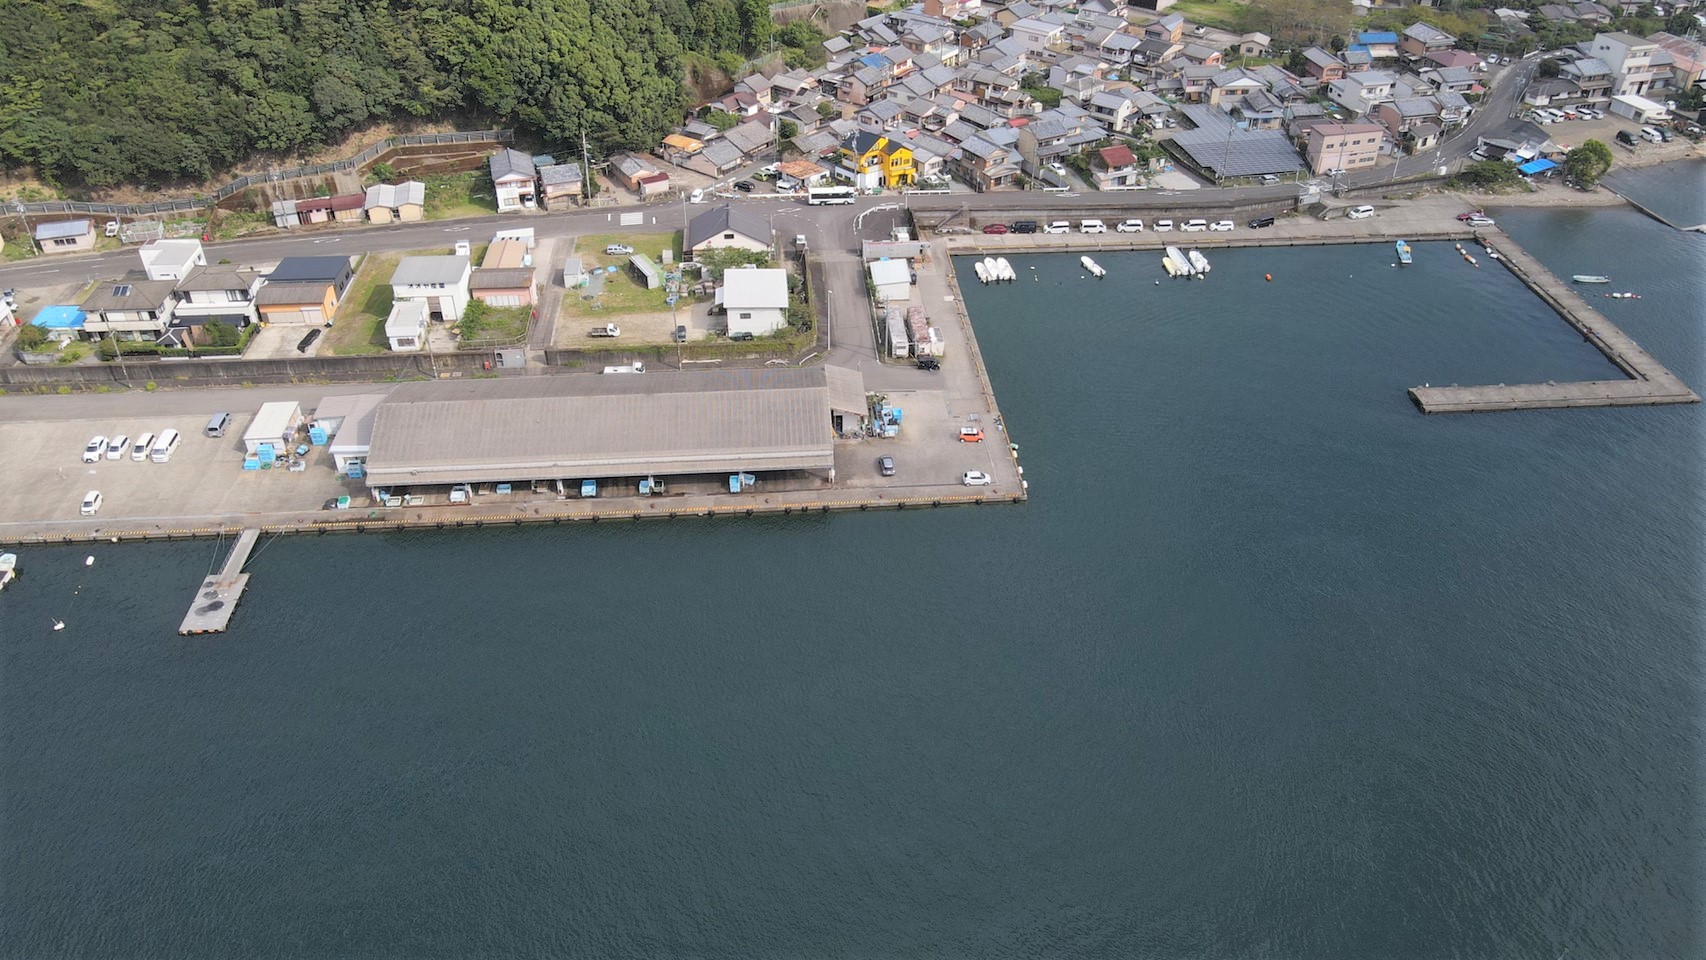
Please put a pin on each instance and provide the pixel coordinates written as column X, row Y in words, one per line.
column 1380, row 44
column 61, row 321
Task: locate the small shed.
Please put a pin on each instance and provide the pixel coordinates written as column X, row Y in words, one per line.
column 574, row 272
column 66, row 236
column 352, row 435
column 406, row 325
column 274, row 423
column 892, row 279
column 645, row 271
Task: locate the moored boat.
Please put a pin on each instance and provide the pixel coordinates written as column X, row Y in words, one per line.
column 1181, row 265
column 1590, row 278
column 1199, row 263
column 8, row 568
column 1092, row 266
column 1005, row 269
column 982, row 271
column 1403, row 251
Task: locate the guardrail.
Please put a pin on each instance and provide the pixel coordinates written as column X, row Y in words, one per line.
column 245, row 182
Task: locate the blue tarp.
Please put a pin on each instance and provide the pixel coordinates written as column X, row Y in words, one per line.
column 1533, row 167
column 59, row 318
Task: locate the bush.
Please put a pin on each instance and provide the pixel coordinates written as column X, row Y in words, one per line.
column 31, row 336
column 1488, row 173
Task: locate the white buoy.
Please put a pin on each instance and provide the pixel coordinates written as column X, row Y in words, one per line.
column 58, row 625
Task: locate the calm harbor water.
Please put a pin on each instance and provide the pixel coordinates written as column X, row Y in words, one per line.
column 1271, row 665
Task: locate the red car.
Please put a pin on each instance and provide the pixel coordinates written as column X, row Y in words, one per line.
column 1470, row 215
column 995, row 228
column 971, row 434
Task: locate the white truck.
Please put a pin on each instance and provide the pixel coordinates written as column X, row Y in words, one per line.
column 635, row 367
column 607, row 330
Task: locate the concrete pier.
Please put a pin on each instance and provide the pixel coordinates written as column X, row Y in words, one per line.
column 216, row 598
column 1650, row 383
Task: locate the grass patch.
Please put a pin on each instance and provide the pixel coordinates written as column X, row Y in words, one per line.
column 1226, row 14
column 482, row 324
column 452, row 195
column 233, row 225
column 18, row 248
column 622, row 293
column 360, row 325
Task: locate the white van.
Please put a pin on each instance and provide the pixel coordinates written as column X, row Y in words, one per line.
column 1652, row 135
column 164, row 446
column 1360, row 213
column 1193, row 226
column 1092, row 226
column 1059, row 226
column 144, row 444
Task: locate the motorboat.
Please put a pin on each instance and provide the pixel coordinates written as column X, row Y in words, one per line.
column 982, row 271
column 8, row 568
column 1403, row 251
column 1181, row 263
column 1092, row 266
column 1590, row 278
column 1004, row 270
column 1199, row 263
column 1171, row 267
column 989, row 268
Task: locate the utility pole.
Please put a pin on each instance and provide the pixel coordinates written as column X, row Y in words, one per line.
column 586, row 167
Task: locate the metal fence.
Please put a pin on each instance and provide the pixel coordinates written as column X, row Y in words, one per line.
column 240, row 184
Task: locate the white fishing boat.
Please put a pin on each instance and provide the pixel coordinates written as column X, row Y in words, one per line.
column 1092, row 266
column 8, row 568
column 1590, row 278
column 1171, row 267
column 982, row 271
column 1199, row 263
column 989, row 268
column 1181, row 263
column 1006, row 269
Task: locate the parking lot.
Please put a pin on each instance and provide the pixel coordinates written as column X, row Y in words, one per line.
column 929, row 456
column 45, row 477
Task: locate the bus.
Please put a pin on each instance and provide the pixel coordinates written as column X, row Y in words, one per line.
column 817, row 195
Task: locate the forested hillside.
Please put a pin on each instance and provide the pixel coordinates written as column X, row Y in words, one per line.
column 102, row 92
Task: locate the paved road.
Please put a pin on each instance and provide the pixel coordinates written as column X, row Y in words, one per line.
column 199, row 401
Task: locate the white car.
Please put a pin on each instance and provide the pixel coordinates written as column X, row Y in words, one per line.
column 1058, row 167
column 1163, row 226
column 1129, row 226
column 144, row 444
column 1059, row 226
column 96, row 449
column 617, row 249
column 91, row 503
column 1193, row 226
column 770, row 168
column 115, row 447
column 972, row 478
column 1221, row 226
column 1092, row 226
column 1361, row 213
column 1480, row 222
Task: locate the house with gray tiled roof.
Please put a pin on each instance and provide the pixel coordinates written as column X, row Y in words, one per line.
column 1420, row 39
column 985, row 164
column 513, row 177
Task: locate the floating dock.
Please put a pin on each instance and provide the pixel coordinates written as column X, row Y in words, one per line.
column 217, row 597
column 1650, row 383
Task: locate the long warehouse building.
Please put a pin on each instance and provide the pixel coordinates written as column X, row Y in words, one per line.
column 591, row 426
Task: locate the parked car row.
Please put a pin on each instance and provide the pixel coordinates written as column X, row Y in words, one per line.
column 1133, row 225
column 147, row 447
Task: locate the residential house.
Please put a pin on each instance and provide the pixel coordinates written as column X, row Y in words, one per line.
column 1454, row 79
column 303, row 290
column 985, row 164
column 560, row 185
column 440, row 282
column 952, row 9
column 756, row 300
column 1344, row 146
column 803, row 172
column 1360, row 92
column 1115, row 166
column 513, row 180
column 1589, row 81
column 1199, row 54
column 877, row 159
column 406, row 325
column 628, row 169
column 730, row 227
column 504, row 277
column 1420, row 39
column 1169, row 27
column 65, row 236
column 1322, row 65
column 131, row 308
column 171, row 259
column 1413, row 123
column 1378, row 44
column 1255, row 44
column 396, row 202
column 1116, row 110
column 220, row 292
column 345, row 208
column 1456, row 58
column 1037, row 34
column 1631, row 62
column 1688, row 58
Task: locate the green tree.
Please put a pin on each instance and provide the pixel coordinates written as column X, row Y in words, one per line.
column 1488, row 173
column 30, row 337
column 721, row 119
column 1587, row 163
column 756, row 25
column 221, row 334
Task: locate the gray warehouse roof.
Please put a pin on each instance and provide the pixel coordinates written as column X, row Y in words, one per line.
column 621, row 425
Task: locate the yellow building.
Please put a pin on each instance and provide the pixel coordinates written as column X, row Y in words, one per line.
column 869, row 153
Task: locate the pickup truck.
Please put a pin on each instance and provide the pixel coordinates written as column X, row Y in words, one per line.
column 607, row 330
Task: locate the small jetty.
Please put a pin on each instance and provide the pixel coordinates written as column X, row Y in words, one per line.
column 216, row 598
